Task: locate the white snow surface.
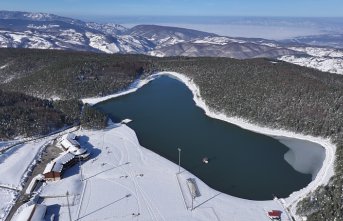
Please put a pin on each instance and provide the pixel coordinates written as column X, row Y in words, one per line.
column 322, row 177
column 72, row 36
column 221, row 40
column 320, row 52
column 14, row 163
column 323, row 59
column 123, row 178
column 100, row 42
column 7, row 198
column 332, row 65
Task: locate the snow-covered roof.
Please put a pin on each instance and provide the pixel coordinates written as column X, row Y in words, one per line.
column 32, row 184
column 69, row 139
column 49, row 167
column 62, row 160
column 57, row 164
column 77, row 151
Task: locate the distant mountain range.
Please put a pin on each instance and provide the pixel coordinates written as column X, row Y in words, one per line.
column 48, row 31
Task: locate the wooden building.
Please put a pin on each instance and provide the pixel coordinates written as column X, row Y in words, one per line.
column 53, row 170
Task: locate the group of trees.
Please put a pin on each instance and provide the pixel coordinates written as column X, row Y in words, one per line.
column 25, row 115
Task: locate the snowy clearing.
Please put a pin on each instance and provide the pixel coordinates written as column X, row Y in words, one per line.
column 332, row 64
column 12, row 172
column 7, row 198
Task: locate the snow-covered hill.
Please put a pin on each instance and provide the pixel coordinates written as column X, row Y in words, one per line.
column 48, row 31
column 321, row 58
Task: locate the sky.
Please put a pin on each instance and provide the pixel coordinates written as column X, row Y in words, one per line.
column 94, row 8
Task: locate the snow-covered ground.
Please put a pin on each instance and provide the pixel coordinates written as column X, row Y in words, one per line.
column 123, row 179
column 217, row 40
column 7, row 198
column 100, row 42
column 14, row 163
column 72, row 36
column 323, row 175
column 332, row 64
column 323, row 59
column 320, row 51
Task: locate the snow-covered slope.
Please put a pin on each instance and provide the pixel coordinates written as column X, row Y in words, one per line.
column 48, row 31
column 333, row 65
column 324, row 59
column 7, row 199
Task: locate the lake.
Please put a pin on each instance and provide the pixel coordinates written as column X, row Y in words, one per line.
column 242, row 163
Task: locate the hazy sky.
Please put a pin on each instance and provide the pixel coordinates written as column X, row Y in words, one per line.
column 302, row 8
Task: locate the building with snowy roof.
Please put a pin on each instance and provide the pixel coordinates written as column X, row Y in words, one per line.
column 55, row 168
column 69, row 143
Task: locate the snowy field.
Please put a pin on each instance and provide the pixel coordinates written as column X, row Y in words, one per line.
column 7, row 198
column 14, row 163
column 124, row 181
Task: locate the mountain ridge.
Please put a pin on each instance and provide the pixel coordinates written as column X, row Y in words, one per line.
column 49, row 31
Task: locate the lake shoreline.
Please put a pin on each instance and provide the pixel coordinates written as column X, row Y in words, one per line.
column 324, row 174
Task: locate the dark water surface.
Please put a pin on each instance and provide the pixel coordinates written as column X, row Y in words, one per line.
column 241, row 163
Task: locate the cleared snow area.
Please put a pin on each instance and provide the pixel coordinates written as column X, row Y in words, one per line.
column 156, row 54
column 29, row 40
column 43, row 26
column 124, row 181
column 320, row 52
column 217, row 40
column 7, row 198
column 72, row 36
column 323, row 59
column 14, row 163
column 100, row 42
column 37, row 16
column 333, row 65
column 323, row 175
column 130, row 44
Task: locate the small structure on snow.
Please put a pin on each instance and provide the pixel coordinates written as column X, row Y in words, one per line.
column 33, row 184
column 274, row 214
column 193, row 187
column 125, row 121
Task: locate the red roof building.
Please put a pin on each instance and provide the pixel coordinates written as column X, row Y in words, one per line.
column 275, row 214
